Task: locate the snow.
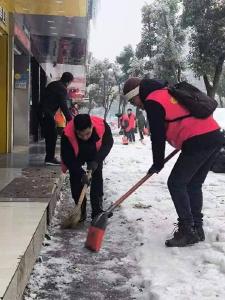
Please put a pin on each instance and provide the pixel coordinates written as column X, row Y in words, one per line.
column 219, row 115
column 191, row 273
column 196, row 272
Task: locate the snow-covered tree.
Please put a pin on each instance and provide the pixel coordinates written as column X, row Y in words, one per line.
column 162, row 38
column 206, row 19
column 102, row 89
column 221, row 89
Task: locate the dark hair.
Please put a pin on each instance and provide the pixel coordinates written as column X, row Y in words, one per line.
column 82, row 121
column 129, row 109
column 67, row 77
column 131, row 84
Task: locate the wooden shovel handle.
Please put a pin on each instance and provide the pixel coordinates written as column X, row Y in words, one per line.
column 84, row 190
column 139, row 183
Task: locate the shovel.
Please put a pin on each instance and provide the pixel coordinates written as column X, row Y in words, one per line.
column 74, row 218
column 97, row 228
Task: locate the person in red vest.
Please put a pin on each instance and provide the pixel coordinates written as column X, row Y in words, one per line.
column 132, row 125
column 199, row 141
column 124, row 124
column 86, row 139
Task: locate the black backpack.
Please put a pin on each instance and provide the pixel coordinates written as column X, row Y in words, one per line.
column 195, row 101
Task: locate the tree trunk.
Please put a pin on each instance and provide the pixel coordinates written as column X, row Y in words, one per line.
column 220, row 101
column 211, row 89
column 90, row 106
column 179, row 73
column 105, row 113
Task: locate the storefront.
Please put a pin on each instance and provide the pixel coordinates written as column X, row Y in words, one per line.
column 3, row 80
column 21, row 99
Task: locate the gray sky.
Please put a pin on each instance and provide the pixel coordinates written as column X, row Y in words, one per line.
column 118, row 24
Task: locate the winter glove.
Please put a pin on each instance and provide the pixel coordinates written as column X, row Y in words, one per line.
column 92, row 165
column 85, row 179
column 155, row 169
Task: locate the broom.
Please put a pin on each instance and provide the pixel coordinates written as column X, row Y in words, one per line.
column 97, row 228
column 74, row 218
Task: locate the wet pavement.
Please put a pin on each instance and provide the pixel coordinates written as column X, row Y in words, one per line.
column 67, row 270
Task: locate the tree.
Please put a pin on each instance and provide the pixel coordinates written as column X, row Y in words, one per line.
column 125, row 59
column 102, row 85
column 221, row 89
column 206, row 19
column 162, row 39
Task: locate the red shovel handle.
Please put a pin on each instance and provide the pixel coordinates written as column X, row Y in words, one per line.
column 139, row 183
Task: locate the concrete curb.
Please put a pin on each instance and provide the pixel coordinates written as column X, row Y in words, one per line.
column 21, row 276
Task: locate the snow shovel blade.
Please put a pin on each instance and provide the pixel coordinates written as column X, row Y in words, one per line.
column 72, row 221
column 96, row 232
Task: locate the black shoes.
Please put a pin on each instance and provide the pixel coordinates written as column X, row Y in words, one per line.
column 185, row 235
column 52, row 162
column 200, row 232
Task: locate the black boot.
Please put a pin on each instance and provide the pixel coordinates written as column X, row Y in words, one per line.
column 200, row 232
column 184, row 236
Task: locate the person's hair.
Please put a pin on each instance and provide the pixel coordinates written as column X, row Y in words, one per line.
column 129, row 109
column 67, row 77
column 131, row 84
column 82, row 122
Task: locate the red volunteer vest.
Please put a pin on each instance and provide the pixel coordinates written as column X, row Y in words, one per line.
column 179, row 131
column 69, row 131
column 132, row 121
column 125, row 118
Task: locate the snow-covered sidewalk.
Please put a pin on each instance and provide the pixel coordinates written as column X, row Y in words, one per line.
column 133, row 262
column 196, row 272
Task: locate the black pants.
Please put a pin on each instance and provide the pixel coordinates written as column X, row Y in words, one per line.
column 96, row 192
column 50, row 134
column 131, row 135
column 141, row 129
column 185, row 184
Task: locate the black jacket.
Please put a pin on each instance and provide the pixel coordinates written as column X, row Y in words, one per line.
column 55, row 97
column 87, row 150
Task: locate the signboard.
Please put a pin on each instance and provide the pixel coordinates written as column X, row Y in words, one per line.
column 76, row 89
column 3, row 15
column 61, row 50
column 21, row 81
column 20, row 34
column 3, row 19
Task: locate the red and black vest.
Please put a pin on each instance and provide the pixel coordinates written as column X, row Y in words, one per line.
column 69, row 131
column 181, row 130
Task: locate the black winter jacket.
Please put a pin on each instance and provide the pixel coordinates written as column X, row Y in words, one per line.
column 55, row 97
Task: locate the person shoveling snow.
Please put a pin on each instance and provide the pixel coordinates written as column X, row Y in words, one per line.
column 199, row 140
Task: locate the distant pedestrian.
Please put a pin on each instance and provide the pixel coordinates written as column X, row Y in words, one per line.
column 131, row 126
column 141, row 122
column 55, row 97
column 199, row 141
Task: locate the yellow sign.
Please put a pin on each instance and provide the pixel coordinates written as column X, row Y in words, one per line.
column 69, row 8
column 17, row 76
